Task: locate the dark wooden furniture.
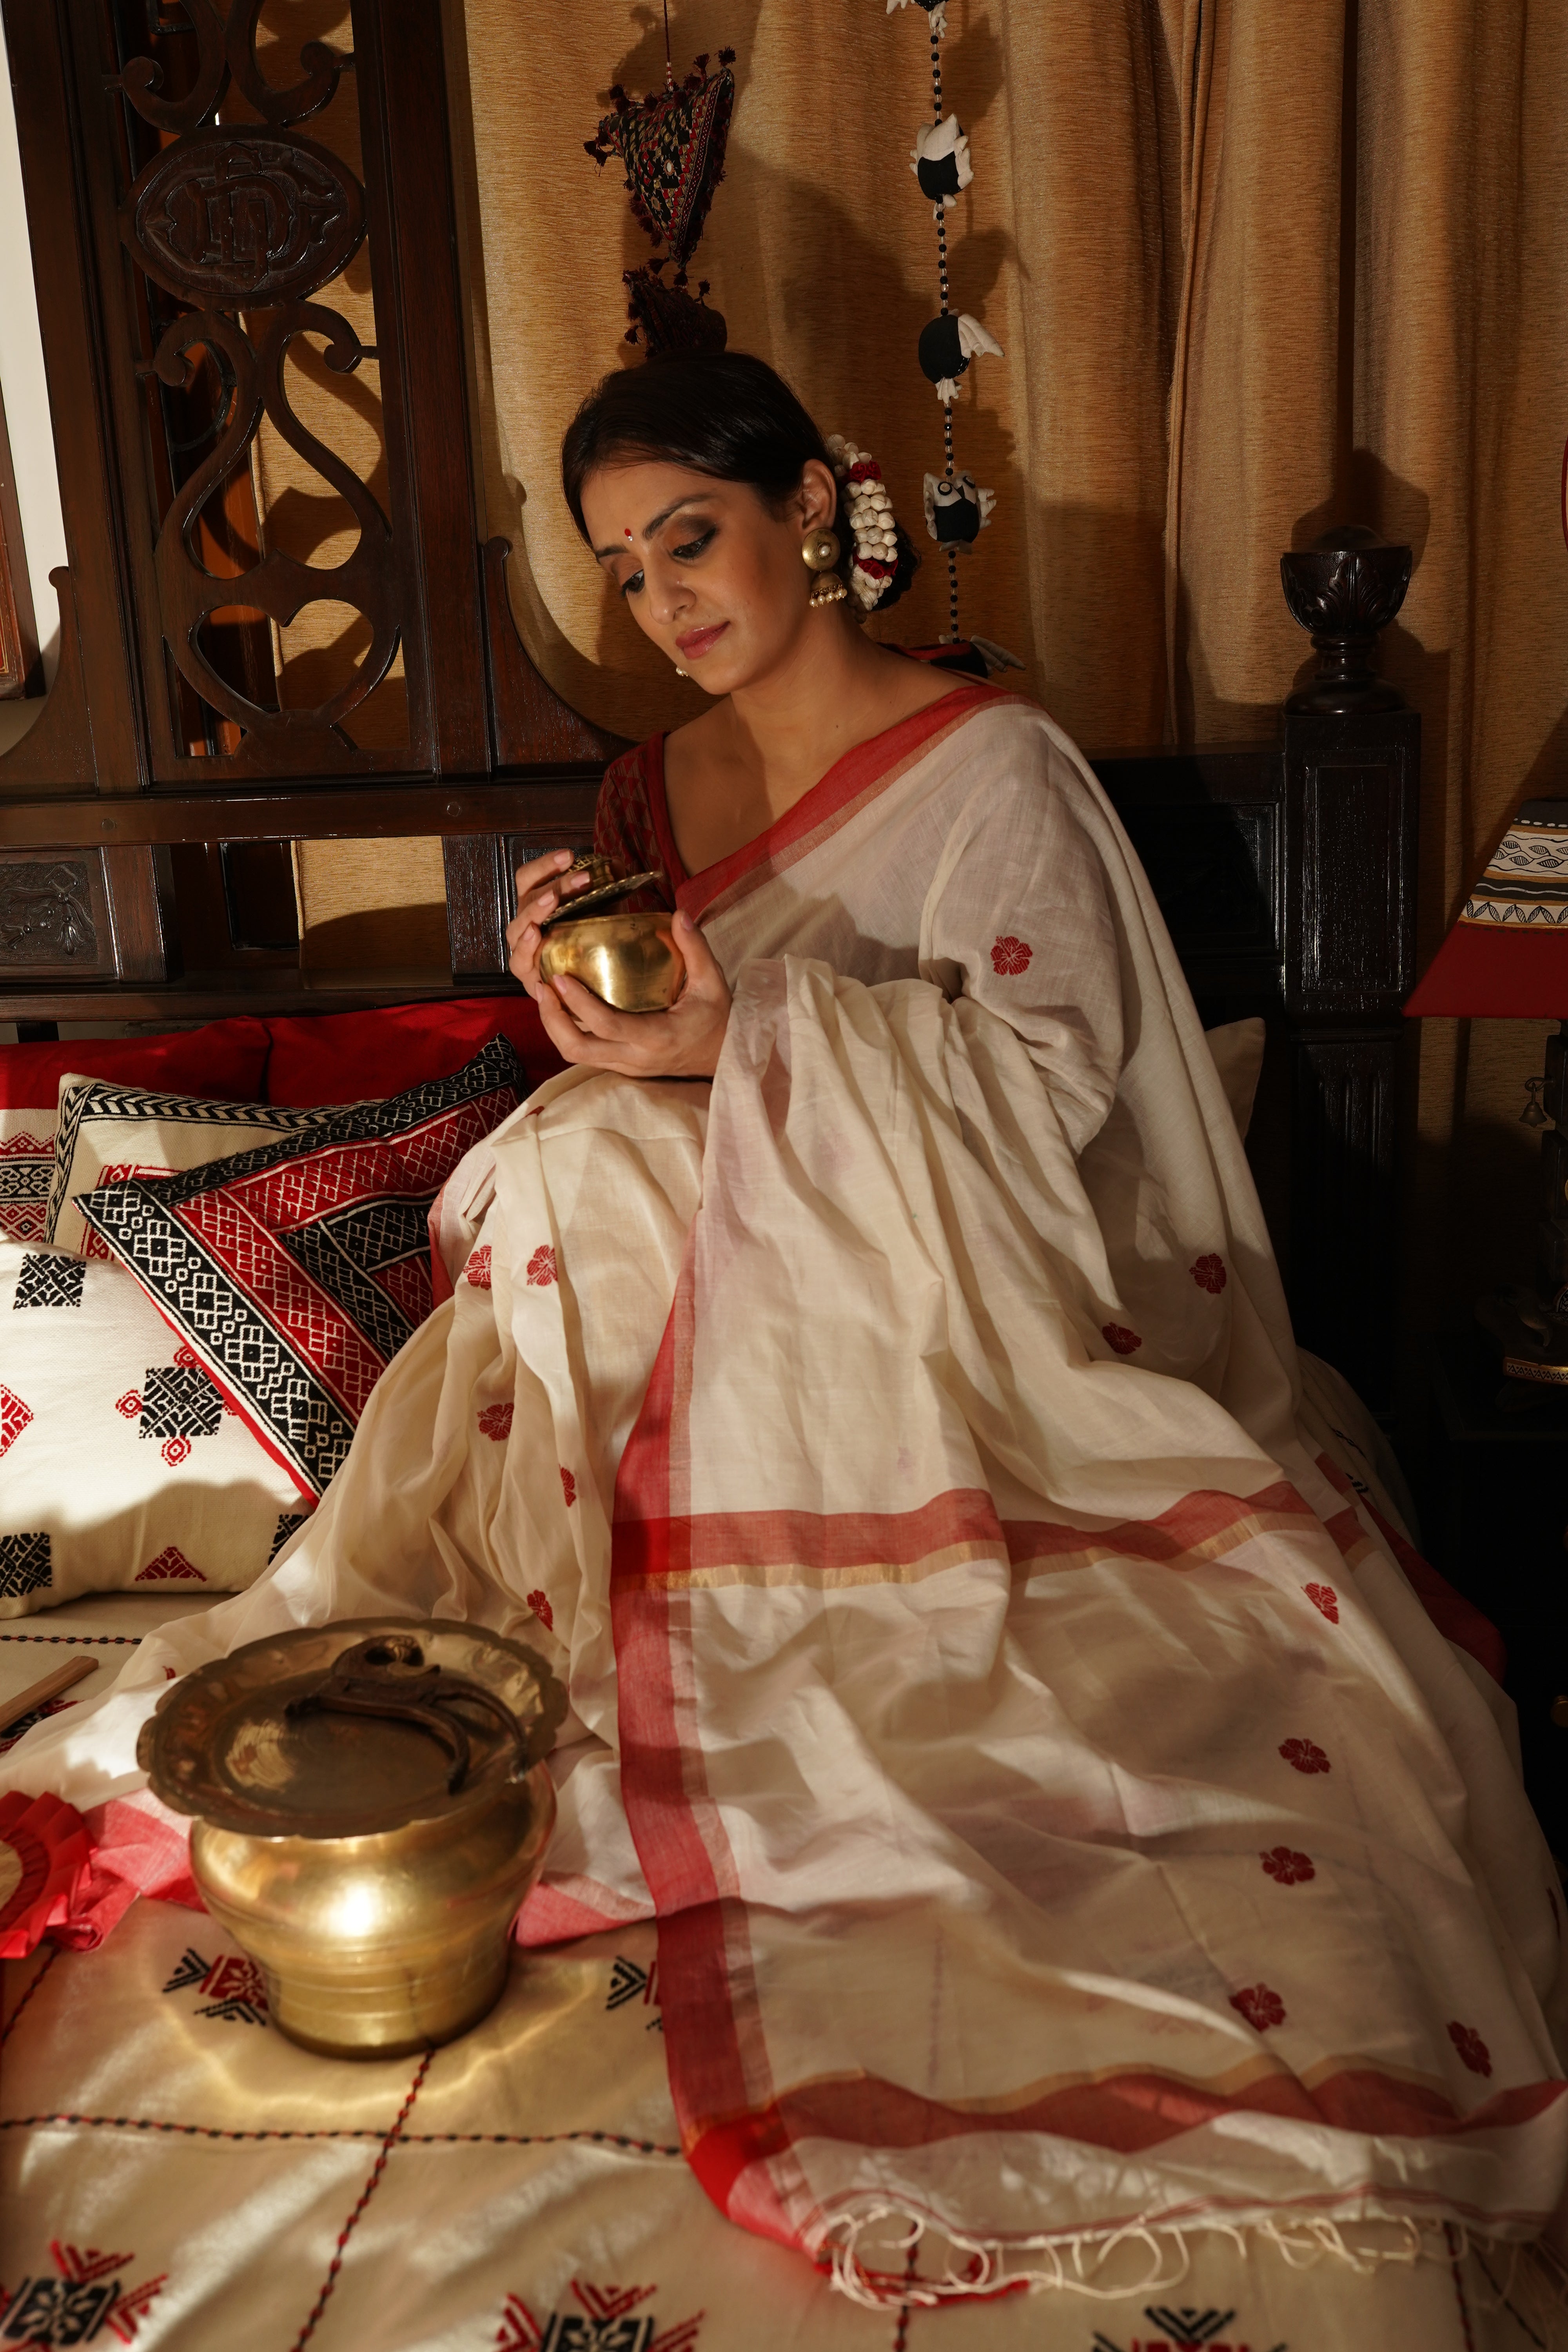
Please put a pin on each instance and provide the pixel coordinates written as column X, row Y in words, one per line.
column 199, row 232
column 1493, row 1497
column 20, row 673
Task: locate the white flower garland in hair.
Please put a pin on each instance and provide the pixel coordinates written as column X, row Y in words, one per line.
column 868, row 511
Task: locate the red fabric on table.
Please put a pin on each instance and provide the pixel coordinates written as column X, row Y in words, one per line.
column 336, row 1057
column 224, row 1062
column 1499, row 971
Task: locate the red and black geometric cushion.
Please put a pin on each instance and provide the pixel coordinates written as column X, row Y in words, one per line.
column 297, row 1270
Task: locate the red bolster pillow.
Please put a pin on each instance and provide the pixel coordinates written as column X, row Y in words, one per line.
column 223, row 1062
column 340, row 1058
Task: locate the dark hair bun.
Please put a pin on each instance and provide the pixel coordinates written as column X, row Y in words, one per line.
column 725, row 414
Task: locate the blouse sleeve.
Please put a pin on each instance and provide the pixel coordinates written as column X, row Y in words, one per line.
column 624, row 828
column 1018, row 917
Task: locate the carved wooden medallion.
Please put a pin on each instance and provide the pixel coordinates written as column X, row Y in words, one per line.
column 46, row 913
column 242, row 219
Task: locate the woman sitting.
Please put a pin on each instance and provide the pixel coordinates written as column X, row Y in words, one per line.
column 1059, row 1812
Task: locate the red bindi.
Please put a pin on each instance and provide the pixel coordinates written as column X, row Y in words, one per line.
column 628, row 534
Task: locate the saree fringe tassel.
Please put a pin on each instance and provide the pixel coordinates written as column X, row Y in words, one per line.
column 1077, row 2264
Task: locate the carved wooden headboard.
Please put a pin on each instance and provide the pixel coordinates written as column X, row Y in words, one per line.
column 191, row 223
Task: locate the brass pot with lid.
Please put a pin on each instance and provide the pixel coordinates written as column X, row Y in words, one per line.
column 629, row 959
column 372, row 1805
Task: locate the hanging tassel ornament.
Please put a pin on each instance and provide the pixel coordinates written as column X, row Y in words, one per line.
column 671, row 144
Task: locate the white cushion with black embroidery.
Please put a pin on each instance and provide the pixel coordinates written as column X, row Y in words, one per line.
column 120, row 1465
column 109, row 1132
column 26, row 1169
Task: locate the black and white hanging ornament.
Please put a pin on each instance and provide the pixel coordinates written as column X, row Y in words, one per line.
column 948, row 344
column 956, row 512
column 940, row 161
column 935, row 9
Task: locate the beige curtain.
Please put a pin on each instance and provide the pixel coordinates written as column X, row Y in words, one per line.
column 1460, row 412
column 1255, row 268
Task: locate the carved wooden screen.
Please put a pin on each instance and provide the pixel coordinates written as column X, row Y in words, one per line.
column 255, row 254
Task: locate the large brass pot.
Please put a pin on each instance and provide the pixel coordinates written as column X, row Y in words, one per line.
column 372, row 1806
column 629, row 960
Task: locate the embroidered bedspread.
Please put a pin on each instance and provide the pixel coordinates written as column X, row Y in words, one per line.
column 176, row 2176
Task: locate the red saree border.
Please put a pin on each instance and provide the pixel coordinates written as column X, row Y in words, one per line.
column 864, row 769
column 676, row 1828
column 1127, row 2114
column 575, row 1907
column 661, row 1547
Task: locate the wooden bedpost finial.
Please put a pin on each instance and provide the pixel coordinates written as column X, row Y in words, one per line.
column 1343, row 589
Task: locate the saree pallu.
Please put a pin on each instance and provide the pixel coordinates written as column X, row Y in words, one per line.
column 1060, row 1816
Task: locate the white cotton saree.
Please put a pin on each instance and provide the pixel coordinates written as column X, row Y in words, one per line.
column 1060, row 1815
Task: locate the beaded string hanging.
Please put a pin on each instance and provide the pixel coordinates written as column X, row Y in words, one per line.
column 955, row 509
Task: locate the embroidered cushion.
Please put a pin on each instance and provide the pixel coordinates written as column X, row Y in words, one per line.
column 108, row 1132
column 297, row 1270
column 119, row 1465
column 224, row 1058
column 331, row 1057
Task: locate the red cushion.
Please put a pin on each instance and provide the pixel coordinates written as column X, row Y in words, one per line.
column 335, row 1057
column 225, row 1062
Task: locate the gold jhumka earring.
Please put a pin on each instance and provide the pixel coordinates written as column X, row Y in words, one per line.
column 819, row 553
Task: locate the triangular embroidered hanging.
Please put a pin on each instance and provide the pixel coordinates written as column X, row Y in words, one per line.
column 672, row 145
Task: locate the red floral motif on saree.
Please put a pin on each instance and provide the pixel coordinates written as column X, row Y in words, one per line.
column 1304, row 1756
column 1261, row 2005
column 542, row 1267
column 1009, row 956
column 1291, row 1869
column 1209, row 1273
column 568, row 1486
column 1324, row 1597
column 174, row 1450
column 1116, row 1335
column 542, row 1611
column 477, row 1272
column 129, row 1404
column 1470, row 2047
column 496, row 1421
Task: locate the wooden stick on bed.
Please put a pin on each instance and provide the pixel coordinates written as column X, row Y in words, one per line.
column 39, row 1694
